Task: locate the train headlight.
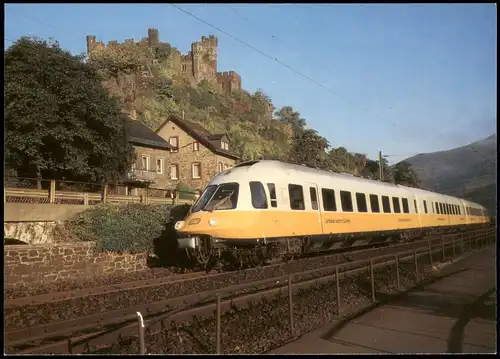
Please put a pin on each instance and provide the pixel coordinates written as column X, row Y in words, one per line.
column 178, row 225
column 213, row 222
column 194, row 221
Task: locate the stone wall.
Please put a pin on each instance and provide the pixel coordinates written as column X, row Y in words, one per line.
column 39, row 232
column 42, row 263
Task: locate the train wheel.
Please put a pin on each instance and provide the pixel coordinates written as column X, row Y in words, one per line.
column 255, row 258
column 202, row 258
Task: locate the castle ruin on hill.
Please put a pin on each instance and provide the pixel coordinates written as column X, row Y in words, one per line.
column 199, row 64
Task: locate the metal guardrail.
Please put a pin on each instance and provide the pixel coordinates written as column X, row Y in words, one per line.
column 198, row 304
column 59, row 196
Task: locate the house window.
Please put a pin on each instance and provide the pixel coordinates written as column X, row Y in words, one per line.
column 184, row 67
column 196, row 146
column 196, row 170
column 174, row 142
column 220, row 167
column 159, row 165
column 145, row 162
column 174, row 172
column 224, row 145
column 226, row 166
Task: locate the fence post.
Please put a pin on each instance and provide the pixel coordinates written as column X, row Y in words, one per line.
column 142, row 344
column 177, row 197
column 218, row 332
column 430, row 253
column 372, row 280
column 52, row 191
column 337, row 283
column 105, row 193
column 290, row 304
column 146, row 195
column 462, row 243
column 416, row 266
column 85, row 199
column 442, row 248
column 397, row 272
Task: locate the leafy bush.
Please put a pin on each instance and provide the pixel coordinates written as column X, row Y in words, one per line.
column 129, row 228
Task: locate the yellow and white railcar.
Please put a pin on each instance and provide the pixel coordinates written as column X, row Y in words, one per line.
column 261, row 202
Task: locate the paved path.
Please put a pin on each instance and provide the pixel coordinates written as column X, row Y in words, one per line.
column 457, row 314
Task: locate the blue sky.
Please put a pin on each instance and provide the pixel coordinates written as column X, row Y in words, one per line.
column 411, row 78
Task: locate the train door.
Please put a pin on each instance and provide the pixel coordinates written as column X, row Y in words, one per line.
column 418, row 210
column 313, row 192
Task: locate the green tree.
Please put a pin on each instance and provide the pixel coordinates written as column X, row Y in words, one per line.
column 59, row 121
column 289, row 116
column 309, row 148
column 405, row 175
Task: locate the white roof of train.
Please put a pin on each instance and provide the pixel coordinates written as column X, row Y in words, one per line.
column 271, row 170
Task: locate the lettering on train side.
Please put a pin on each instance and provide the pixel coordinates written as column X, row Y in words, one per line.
column 440, row 219
column 342, row 220
column 404, row 220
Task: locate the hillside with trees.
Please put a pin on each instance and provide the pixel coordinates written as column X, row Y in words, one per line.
column 145, row 80
column 62, row 115
column 467, row 171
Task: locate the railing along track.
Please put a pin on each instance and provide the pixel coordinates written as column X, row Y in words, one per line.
column 199, row 303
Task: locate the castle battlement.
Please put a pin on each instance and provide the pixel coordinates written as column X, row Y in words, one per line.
column 199, row 64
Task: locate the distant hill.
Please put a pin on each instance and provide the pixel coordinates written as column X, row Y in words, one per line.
column 468, row 172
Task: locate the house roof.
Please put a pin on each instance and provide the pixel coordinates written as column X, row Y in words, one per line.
column 199, row 133
column 140, row 134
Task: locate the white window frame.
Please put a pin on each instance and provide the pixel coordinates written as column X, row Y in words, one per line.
column 196, row 146
column 176, row 172
column 159, row 170
column 221, row 167
column 199, row 170
column 176, row 147
column 226, row 166
column 147, row 162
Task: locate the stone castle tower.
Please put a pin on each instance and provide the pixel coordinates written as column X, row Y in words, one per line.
column 199, row 64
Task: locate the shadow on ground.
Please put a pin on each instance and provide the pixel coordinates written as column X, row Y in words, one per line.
column 165, row 246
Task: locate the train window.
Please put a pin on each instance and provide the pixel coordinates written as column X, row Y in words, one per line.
column 459, row 210
column 425, row 206
column 454, row 208
column 386, row 205
column 259, row 198
column 346, row 201
column 415, row 203
column 329, row 203
column 406, row 208
column 314, row 198
column 374, row 203
column 448, row 207
column 441, row 208
column 395, row 204
column 272, row 194
column 361, row 199
column 437, row 208
column 296, row 197
column 226, row 197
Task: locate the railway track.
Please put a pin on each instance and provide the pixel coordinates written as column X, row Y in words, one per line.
column 105, row 327
column 177, row 278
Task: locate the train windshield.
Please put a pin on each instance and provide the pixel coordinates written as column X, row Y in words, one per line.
column 226, row 197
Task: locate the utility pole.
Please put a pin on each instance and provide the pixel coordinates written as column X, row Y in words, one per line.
column 380, row 165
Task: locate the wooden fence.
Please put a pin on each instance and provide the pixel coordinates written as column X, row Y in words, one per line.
column 105, row 194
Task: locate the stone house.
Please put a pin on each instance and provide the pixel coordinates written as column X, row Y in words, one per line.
column 152, row 157
column 196, row 155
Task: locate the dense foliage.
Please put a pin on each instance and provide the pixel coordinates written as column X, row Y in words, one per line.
column 60, row 122
column 129, row 228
